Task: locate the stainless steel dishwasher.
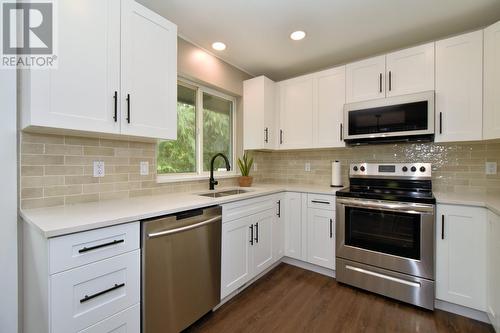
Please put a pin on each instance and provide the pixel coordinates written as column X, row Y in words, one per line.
column 181, row 269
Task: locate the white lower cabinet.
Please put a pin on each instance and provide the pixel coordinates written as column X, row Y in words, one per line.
column 461, row 255
column 493, row 270
column 82, row 282
column 321, row 237
column 293, row 225
column 279, row 227
column 247, row 241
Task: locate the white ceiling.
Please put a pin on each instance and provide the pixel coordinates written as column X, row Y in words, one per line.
column 338, row 31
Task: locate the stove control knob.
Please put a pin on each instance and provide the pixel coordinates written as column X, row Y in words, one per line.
column 422, row 169
column 405, row 169
column 413, row 169
column 362, row 168
column 355, row 168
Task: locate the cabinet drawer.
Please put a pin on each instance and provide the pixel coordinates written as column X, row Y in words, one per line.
column 321, row 201
column 126, row 321
column 83, row 296
column 82, row 248
column 243, row 208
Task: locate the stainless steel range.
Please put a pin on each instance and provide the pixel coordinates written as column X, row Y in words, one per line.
column 385, row 231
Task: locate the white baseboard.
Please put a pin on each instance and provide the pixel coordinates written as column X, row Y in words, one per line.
column 308, row 266
column 462, row 311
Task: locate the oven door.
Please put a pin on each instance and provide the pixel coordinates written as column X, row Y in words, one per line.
column 397, row 236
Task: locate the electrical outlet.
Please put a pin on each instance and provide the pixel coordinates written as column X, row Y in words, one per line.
column 491, row 168
column 255, row 167
column 99, row 169
column 144, row 168
column 307, row 167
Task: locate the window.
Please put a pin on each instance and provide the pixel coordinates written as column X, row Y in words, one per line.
column 205, row 122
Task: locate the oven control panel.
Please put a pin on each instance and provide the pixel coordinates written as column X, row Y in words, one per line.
column 397, row 170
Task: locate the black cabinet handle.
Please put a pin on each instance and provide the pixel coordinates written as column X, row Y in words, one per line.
column 442, row 226
column 341, row 132
column 390, row 80
column 279, row 208
column 86, row 249
column 128, row 108
column 266, row 135
column 380, row 82
column 440, row 123
column 281, row 137
column 320, row 202
column 88, row 298
column 115, row 97
column 256, row 232
column 331, row 228
column 251, row 234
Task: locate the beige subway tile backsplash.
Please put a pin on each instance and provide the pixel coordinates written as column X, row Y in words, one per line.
column 58, row 170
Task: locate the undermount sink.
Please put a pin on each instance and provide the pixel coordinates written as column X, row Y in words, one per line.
column 223, row 193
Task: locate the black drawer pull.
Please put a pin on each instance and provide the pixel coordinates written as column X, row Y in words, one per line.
column 256, row 232
column 128, row 108
column 331, row 228
column 251, row 234
column 442, row 226
column 320, row 202
column 115, row 97
column 380, row 83
column 86, row 249
column 279, row 208
column 88, row 298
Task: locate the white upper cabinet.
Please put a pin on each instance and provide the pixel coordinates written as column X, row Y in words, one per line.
column 106, row 68
column 491, row 115
column 80, row 93
column 329, row 111
column 459, row 88
column 461, row 255
column 410, row 70
column 149, row 98
column 259, row 113
column 365, row 79
column 296, row 113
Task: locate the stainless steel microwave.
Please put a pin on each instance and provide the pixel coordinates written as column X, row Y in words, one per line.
column 407, row 118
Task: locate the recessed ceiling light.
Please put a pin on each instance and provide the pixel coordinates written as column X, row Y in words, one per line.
column 297, row 35
column 219, row 46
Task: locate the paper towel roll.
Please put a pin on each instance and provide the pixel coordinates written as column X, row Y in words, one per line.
column 336, row 174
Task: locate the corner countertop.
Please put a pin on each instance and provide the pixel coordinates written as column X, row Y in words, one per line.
column 490, row 201
column 62, row 220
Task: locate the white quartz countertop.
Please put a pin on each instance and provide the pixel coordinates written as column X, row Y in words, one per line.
column 62, row 220
column 492, row 202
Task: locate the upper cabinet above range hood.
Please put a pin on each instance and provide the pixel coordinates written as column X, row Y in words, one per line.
column 405, row 118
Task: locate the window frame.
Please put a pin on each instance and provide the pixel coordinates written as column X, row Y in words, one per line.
column 199, row 174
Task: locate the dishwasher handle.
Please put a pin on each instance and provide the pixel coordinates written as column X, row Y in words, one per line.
column 186, row 228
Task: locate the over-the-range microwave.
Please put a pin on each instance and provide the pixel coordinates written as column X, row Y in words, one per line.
column 405, row 118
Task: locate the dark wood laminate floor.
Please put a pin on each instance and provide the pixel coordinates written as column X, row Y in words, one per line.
column 291, row 299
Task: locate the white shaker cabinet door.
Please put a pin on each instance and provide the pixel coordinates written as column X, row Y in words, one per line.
column 293, row 225
column 329, row 112
column 236, row 255
column 321, row 237
column 492, row 82
column 263, row 240
column 149, row 73
column 365, row 80
column 80, row 93
column 459, row 88
column 410, row 70
column 461, row 255
column 296, row 113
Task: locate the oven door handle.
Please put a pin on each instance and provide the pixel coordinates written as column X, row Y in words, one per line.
column 409, row 208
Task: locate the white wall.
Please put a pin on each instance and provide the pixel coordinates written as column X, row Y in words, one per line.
column 8, row 203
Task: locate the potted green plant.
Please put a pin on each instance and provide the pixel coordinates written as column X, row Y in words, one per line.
column 245, row 165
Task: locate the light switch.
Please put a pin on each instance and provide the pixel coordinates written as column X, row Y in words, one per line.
column 99, row 169
column 491, row 168
column 144, row 168
column 307, row 167
column 255, row 167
